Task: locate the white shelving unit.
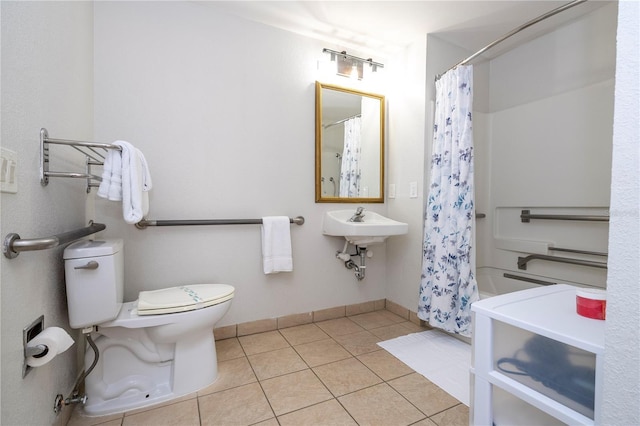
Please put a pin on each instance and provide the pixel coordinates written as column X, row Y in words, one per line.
column 535, row 360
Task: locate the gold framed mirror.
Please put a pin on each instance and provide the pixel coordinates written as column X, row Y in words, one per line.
column 349, row 145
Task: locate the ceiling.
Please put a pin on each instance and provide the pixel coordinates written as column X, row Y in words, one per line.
column 385, row 27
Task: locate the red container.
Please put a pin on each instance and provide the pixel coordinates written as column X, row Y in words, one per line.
column 591, row 303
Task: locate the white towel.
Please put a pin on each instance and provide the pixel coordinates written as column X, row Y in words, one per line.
column 136, row 182
column 276, row 245
column 107, row 169
column 126, row 178
column 111, row 185
column 115, row 186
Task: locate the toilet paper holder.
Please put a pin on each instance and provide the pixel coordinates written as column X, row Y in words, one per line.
column 28, row 333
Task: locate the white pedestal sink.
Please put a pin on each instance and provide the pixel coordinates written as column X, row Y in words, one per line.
column 373, row 227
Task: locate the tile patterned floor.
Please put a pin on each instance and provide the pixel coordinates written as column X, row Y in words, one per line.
column 326, row 373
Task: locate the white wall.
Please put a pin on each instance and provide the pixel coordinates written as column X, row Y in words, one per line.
column 622, row 351
column 223, row 109
column 405, row 147
column 47, row 81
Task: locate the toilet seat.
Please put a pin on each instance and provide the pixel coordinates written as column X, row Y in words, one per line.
column 183, row 298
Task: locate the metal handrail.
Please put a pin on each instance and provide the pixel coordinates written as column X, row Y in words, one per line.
column 527, row 279
column 522, row 261
column 13, row 244
column 298, row 220
column 526, row 216
column 567, row 250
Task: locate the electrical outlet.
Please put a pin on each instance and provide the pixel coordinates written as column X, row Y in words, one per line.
column 9, row 171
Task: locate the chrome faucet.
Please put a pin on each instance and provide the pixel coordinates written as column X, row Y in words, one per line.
column 358, row 216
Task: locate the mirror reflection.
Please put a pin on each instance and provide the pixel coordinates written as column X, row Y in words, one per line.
column 349, row 145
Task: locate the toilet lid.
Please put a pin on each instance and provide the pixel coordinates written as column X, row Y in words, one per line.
column 183, row 298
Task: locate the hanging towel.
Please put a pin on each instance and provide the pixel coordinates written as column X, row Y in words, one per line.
column 126, row 178
column 136, row 182
column 276, row 245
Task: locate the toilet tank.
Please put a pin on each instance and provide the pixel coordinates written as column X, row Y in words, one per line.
column 94, row 275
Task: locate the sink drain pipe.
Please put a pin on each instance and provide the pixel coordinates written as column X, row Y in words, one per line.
column 350, row 264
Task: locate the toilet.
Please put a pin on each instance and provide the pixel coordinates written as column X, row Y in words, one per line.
column 151, row 350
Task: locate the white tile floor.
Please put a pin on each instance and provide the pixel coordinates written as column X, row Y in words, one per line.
column 326, row 373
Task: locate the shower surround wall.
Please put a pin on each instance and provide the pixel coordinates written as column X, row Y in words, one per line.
column 549, row 148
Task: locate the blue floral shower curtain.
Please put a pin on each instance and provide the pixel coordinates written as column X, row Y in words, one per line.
column 448, row 286
column 350, row 166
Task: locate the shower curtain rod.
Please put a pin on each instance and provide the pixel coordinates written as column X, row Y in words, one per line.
column 514, row 32
column 326, row 126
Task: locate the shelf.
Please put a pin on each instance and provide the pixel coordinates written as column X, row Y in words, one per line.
column 533, row 345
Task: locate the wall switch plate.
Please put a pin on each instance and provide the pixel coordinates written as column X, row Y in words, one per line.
column 8, row 171
column 413, row 189
column 392, row 190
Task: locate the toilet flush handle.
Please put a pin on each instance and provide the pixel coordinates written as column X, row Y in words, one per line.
column 90, row 265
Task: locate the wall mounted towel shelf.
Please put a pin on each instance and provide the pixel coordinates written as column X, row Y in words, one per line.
column 93, row 151
column 13, row 244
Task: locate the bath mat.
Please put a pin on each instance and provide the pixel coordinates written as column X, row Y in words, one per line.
column 442, row 359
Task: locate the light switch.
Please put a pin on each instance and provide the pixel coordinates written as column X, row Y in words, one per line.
column 9, row 171
column 3, row 170
column 392, row 190
column 413, row 189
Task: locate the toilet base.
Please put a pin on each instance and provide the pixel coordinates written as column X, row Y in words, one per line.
column 133, row 372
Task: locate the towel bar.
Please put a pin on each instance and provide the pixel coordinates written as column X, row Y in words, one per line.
column 298, row 220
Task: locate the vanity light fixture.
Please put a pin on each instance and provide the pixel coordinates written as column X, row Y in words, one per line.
column 351, row 66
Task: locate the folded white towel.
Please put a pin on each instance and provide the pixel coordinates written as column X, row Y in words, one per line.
column 276, row 245
column 126, row 178
column 111, row 185
column 115, row 186
column 107, row 168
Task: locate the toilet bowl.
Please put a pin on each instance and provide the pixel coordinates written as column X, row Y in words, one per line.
column 156, row 348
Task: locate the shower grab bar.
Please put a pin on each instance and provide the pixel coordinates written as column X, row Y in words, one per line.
column 13, row 244
column 522, row 261
column 526, row 216
column 527, row 279
column 566, row 250
column 298, row 220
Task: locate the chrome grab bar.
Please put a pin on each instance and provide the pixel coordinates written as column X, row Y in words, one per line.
column 522, row 261
column 527, row 279
column 298, row 220
column 13, row 244
column 566, row 250
column 526, row 216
